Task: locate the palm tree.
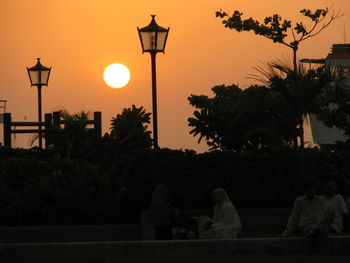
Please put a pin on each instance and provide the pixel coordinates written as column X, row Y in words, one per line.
column 129, row 128
column 300, row 88
column 334, row 107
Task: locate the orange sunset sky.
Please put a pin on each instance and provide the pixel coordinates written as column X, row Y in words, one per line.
column 79, row 38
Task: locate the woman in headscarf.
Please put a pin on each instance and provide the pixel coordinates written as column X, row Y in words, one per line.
column 226, row 223
column 161, row 213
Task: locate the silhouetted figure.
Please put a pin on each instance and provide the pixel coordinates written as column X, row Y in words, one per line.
column 309, row 216
column 347, row 216
column 335, row 207
column 161, row 213
column 225, row 223
column 308, row 212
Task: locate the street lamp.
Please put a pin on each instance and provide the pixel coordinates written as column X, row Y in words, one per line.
column 39, row 76
column 153, row 39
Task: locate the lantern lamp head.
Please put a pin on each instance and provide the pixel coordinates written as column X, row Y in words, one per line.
column 153, row 37
column 39, row 74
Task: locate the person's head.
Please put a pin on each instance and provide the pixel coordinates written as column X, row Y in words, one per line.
column 220, row 196
column 330, row 188
column 310, row 190
column 161, row 192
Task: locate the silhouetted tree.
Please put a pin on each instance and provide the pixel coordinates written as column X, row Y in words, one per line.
column 277, row 30
column 334, row 106
column 129, row 129
column 238, row 120
column 301, row 90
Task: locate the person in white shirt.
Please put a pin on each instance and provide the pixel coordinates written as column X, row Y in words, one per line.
column 307, row 214
column 335, row 207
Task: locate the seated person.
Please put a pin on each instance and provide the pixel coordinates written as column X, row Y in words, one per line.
column 307, row 214
column 347, row 216
column 335, row 207
column 161, row 213
column 225, row 224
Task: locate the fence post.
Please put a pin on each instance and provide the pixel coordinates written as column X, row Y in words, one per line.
column 7, row 130
column 48, row 125
column 56, row 118
column 98, row 125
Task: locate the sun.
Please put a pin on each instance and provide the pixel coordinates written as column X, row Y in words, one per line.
column 116, row 75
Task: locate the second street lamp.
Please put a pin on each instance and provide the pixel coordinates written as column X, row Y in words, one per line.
column 39, row 76
column 153, row 39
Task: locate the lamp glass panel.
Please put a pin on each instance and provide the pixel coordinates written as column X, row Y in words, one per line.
column 161, row 41
column 34, row 77
column 148, row 40
column 44, row 77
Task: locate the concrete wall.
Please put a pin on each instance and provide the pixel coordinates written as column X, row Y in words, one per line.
column 101, row 252
column 69, row 233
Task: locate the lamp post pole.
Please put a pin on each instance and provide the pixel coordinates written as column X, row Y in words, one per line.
column 154, row 99
column 39, row 117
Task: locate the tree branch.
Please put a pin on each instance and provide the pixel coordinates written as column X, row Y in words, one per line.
column 324, row 26
column 293, row 34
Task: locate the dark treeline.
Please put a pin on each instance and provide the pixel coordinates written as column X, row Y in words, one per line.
column 40, row 188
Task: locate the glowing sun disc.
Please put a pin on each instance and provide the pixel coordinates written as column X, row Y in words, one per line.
column 116, row 75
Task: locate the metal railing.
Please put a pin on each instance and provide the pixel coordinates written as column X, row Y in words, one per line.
column 52, row 120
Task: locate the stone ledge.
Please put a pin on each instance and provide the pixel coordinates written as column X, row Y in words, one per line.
column 254, row 220
column 35, row 234
column 100, row 252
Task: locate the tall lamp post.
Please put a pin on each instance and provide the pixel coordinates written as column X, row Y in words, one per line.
column 39, row 76
column 153, row 39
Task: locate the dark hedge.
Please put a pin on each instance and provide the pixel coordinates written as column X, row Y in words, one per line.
column 40, row 188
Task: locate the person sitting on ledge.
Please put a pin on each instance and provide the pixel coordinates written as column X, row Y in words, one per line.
column 225, row 224
column 335, row 207
column 161, row 213
column 308, row 214
column 347, row 216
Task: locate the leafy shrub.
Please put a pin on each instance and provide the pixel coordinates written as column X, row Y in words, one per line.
column 40, row 188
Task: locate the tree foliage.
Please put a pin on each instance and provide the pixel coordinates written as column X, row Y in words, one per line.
column 334, row 101
column 37, row 189
column 129, row 129
column 269, row 115
column 238, row 120
column 281, row 30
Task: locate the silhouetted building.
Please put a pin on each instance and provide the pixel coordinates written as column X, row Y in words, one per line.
column 339, row 56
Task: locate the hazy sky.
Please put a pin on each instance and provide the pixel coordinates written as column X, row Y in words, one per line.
column 79, row 38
